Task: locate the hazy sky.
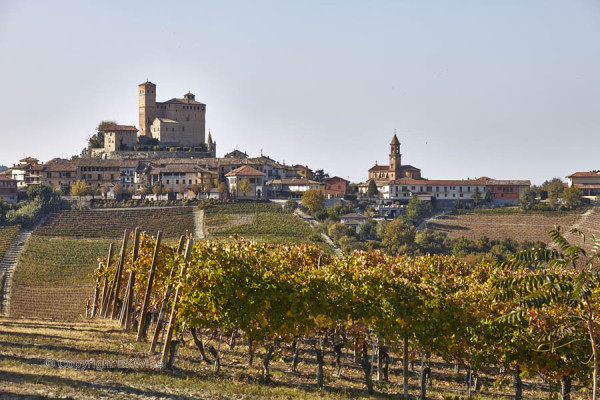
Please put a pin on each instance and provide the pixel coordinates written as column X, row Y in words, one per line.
column 506, row 89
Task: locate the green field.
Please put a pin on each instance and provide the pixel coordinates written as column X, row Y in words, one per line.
column 7, row 234
column 258, row 221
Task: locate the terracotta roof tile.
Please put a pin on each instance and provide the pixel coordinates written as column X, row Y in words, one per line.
column 244, row 171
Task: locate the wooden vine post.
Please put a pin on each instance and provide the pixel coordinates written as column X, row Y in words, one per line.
column 170, row 327
column 161, row 315
column 141, row 328
column 105, row 292
column 127, row 311
column 96, row 292
column 119, row 271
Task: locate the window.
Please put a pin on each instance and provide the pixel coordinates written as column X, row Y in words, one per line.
column 177, row 181
column 460, row 188
column 167, row 181
column 461, row 195
column 453, row 194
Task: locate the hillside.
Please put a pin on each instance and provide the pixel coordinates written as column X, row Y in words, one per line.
column 52, row 279
column 514, row 225
column 260, row 221
column 7, row 234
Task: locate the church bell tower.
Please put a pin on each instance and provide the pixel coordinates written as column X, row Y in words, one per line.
column 395, row 158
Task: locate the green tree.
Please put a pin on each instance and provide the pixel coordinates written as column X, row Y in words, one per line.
column 97, row 139
column 372, row 189
column 476, row 196
column 554, row 187
column 417, row 211
column 314, row 199
column 527, row 199
column 568, row 278
column 320, row 175
column 399, row 237
column 489, row 196
column 80, row 188
column 367, row 229
column 572, row 196
column 244, row 186
column 430, row 242
column 290, row 206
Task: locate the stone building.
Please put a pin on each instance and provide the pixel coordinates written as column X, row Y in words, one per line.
column 8, row 190
column 175, row 122
column 120, row 138
column 382, row 174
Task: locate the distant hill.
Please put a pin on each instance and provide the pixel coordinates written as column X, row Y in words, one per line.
column 3, row 168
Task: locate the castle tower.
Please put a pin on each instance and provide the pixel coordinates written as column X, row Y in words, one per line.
column 147, row 101
column 395, row 158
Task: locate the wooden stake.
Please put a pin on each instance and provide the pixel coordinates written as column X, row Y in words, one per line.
column 141, row 333
column 104, row 301
column 167, row 343
column 163, row 307
column 96, row 290
column 114, row 308
column 130, row 299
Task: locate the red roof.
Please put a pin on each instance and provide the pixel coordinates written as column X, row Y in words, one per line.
column 335, row 179
column 380, row 168
column 292, row 182
column 441, row 182
column 115, row 128
column 244, row 171
column 585, row 174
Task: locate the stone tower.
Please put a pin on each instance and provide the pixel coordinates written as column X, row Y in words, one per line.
column 395, row 158
column 147, row 100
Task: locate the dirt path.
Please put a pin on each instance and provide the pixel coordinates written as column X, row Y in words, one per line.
column 199, row 232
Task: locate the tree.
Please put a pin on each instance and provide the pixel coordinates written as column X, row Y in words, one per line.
column 222, row 188
column 417, row 211
column 157, row 189
column 169, row 191
column 489, row 196
column 320, row 175
column 527, row 199
column 372, row 189
column 367, row 229
column 290, row 206
column 131, row 190
column 565, row 278
column 399, row 237
column 476, row 196
column 80, row 188
column 118, row 191
column 554, row 187
column 314, row 199
column 43, row 192
column 572, row 196
column 244, row 186
column 97, row 139
column 144, row 192
column 196, row 190
column 430, row 242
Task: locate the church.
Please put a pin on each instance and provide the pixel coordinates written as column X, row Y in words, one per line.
column 382, row 174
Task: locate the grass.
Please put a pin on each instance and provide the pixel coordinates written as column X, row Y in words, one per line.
column 26, row 344
column 7, row 235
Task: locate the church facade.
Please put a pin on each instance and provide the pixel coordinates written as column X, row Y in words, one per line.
column 382, row 174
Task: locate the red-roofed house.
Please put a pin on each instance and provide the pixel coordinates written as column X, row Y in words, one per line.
column 237, row 178
column 336, row 186
column 588, row 182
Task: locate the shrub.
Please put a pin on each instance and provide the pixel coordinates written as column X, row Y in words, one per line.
column 171, row 148
column 156, row 148
column 290, row 206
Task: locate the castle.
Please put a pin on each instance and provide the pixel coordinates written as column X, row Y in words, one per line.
column 173, row 124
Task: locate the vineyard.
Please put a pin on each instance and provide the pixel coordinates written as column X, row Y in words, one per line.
column 517, row 226
column 110, row 223
column 53, row 277
column 259, row 221
column 363, row 312
column 7, row 234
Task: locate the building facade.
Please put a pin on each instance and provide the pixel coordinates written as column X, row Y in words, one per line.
column 336, row 187
column 8, row 190
column 176, row 122
column 382, row 174
column 243, row 174
column 120, row 138
column 587, row 182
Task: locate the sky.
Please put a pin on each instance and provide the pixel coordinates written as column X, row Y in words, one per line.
column 508, row 89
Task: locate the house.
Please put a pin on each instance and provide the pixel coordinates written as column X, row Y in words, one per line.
column 96, row 171
column 120, row 138
column 303, row 171
column 353, row 220
column 8, row 190
column 24, row 172
column 127, row 171
column 588, row 182
column 382, row 174
column 336, row 187
column 245, row 177
column 236, row 154
column 507, row 191
column 287, row 187
column 59, row 173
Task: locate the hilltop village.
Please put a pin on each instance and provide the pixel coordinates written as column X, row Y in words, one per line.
column 171, row 154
